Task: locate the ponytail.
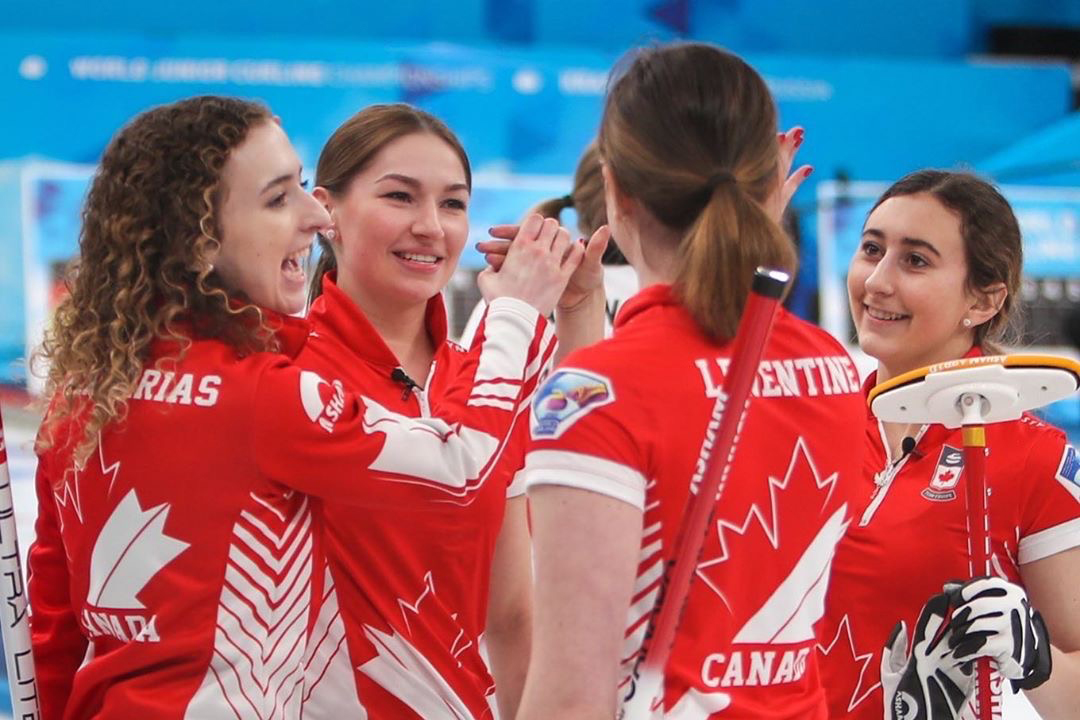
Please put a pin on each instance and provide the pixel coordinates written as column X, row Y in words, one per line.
column 731, row 237
column 554, row 207
column 327, row 263
column 689, row 132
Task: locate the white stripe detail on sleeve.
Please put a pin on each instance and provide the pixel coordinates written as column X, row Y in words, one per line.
column 508, row 333
column 1050, row 541
column 587, row 472
column 544, row 360
column 497, row 389
column 491, row 402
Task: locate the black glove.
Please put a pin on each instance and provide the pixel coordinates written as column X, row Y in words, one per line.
column 994, row 619
column 930, row 684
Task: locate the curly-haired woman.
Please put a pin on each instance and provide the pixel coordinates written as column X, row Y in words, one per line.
column 172, row 573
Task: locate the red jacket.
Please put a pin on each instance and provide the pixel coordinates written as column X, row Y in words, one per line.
column 172, row 577
column 910, row 537
column 407, row 589
column 627, row 418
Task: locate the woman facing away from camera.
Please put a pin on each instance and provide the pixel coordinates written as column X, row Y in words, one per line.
column 695, row 184
column 415, row 595
column 175, row 564
column 935, row 278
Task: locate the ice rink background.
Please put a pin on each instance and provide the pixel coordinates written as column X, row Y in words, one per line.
column 882, row 88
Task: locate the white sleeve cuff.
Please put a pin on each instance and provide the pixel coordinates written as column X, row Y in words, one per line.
column 502, row 306
column 1050, row 541
column 508, row 333
column 587, row 472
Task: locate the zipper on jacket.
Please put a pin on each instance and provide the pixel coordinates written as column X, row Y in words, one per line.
column 422, row 393
column 883, row 479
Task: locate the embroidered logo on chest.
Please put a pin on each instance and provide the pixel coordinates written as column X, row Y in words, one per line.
column 950, row 466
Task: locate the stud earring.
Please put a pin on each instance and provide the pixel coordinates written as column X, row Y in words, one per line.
column 967, row 322
column 330, row 234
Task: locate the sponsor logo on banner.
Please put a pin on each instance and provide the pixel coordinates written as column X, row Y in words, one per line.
column 950, row 466
column 1068, row 472
column 567, row 397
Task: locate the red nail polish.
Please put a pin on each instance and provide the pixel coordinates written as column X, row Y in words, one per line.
column 807, row 172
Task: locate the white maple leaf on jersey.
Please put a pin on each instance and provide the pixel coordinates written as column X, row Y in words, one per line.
column 798, row 602
column 130, row 549
column 405, row 673
column 789, row 615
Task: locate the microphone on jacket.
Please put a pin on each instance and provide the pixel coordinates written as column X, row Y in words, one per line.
column 400, row 376
column 907, row 447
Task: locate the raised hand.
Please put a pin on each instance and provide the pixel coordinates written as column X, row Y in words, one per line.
column 994, row 619
column 537, row 265
column 587, row 279
column 787, row 181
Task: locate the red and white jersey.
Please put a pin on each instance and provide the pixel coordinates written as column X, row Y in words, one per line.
column 910, row 537
column 174, row 575
column 627, row 418
column 405, row 605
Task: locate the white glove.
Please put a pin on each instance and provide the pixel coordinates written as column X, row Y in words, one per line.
column 930, row 684
column 994, row 619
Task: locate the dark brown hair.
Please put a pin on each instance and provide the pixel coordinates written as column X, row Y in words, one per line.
column 356, row 143
column 993, row 247
column 587, row 199
column 689, row 131
column 148, row 226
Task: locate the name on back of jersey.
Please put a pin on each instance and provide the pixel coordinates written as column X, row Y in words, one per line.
column 792, row 377
column 177, row 389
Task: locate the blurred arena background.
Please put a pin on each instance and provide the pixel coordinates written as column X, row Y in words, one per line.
column 882, row 88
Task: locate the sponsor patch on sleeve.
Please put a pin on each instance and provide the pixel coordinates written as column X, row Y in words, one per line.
column 1068, row 472
column 322, row 401
column 566, row 397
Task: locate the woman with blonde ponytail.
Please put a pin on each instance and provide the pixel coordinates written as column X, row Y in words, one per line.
column 695, row 179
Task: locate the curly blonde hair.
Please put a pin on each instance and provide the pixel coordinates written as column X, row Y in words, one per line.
column 149, row 225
